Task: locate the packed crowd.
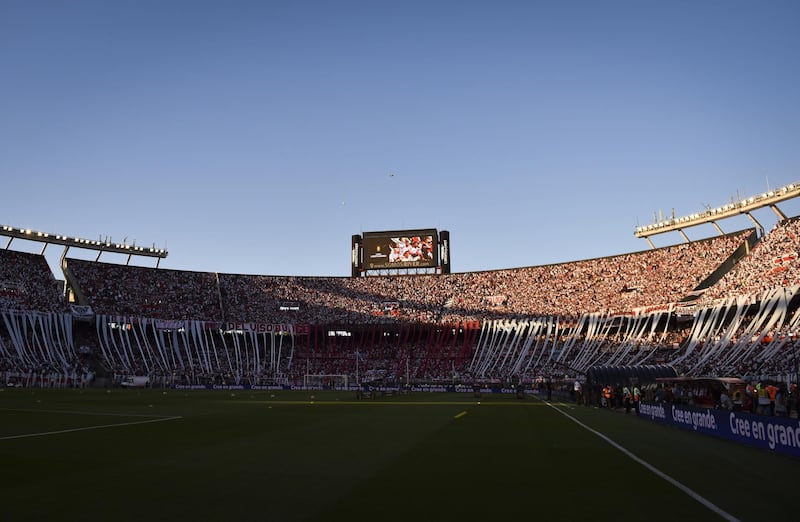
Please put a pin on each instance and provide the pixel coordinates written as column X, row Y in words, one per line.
column 620, row 283
column 503, row 301
column 145, row 292
column 774, row 262
column 27, row 283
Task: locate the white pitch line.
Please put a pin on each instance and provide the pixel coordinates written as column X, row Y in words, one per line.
column 74, row 412
column 693, row 494
column 58, row 432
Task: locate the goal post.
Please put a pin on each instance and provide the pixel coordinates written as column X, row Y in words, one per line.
column 326, row 381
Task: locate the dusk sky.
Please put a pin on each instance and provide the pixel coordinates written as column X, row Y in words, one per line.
column 257, row 137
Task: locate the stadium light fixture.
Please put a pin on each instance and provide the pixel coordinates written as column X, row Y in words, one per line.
column 734, row 208
column 28, row 234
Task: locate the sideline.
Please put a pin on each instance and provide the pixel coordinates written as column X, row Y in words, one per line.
column 380, row 402
column 71, row 430
column 696, row 496
column 96, row 413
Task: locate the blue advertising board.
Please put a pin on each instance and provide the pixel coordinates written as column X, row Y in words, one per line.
column 778, row 434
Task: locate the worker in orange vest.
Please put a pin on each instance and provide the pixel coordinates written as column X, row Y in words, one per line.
column 772, row 392
column 607, row 396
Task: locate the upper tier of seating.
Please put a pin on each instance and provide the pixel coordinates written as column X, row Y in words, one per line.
column 620, row 283
column 27, row 283
column 773, row 262
column 145, row 292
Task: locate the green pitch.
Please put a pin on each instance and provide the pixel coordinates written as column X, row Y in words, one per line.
column 284, row 456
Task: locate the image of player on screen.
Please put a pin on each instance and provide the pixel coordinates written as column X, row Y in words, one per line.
column 410, row 249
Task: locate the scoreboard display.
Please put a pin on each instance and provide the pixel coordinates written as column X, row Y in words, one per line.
column 400, row 249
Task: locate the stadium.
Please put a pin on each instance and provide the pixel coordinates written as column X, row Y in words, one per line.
column 407, row 389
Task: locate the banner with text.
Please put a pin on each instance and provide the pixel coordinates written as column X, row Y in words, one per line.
column 297, row 329
column 779, row 434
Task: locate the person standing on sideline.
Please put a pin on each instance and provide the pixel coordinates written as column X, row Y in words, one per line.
column 578, row 388
column 772, row 393
column 627, row 399
column 752, row 394
column 763, row 399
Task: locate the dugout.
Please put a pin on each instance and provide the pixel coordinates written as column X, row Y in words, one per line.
column 599, row 376
column 625, row 375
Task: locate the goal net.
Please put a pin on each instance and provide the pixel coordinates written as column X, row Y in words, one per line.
column 326, row 381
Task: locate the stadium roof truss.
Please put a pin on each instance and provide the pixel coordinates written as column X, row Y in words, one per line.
column 712, row 215
column 67, row 242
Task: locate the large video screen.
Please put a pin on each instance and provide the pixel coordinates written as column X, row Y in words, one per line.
column 400, row 249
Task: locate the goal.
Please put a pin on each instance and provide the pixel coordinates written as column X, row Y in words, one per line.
column 326, row 381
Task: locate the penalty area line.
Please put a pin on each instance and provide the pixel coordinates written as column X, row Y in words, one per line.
column 690, row 492
column 87, row 428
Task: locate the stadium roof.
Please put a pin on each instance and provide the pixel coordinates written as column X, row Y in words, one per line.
column 68, row 242
column 712, row 215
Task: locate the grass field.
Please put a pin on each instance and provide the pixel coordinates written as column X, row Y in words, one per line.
column 283, row 456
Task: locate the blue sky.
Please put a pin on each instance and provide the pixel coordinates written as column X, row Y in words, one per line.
column 257, row 137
